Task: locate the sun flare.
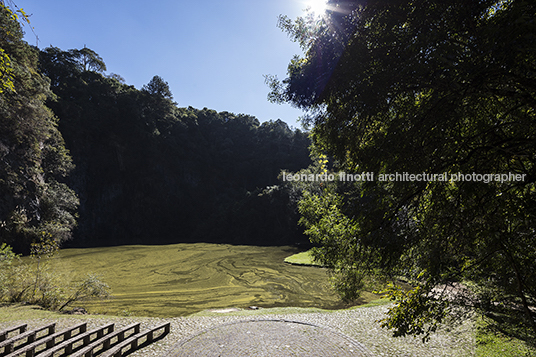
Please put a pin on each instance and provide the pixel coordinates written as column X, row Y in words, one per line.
column 317, row 6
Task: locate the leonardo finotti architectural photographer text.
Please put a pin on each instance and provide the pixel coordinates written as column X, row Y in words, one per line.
column 405, row 177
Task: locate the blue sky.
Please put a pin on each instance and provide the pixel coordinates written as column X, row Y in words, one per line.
column 212, row 53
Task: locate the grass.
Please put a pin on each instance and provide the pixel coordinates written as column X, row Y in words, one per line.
column 30, row 312
column 25, row 312
column 303, row 258
column 493, row 341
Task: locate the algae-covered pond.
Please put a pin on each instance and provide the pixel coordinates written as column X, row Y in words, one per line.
column 180, row 279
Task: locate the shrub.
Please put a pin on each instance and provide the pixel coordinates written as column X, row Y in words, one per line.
column 39, row 283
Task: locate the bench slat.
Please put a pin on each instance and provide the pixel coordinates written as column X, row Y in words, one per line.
column 133, row 341
column 50, row 341
column 4, row 333
column 8, row 345
column 68, row 345
column 105, row 341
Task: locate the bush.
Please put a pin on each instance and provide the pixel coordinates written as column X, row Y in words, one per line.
column 10, row 271
column 38, row 283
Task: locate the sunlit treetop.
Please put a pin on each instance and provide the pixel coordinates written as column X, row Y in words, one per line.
column 14, row 17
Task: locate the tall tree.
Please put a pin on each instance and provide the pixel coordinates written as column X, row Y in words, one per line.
column 159, row 87
column 89, row 60
column 436, row 87
column 34, row 203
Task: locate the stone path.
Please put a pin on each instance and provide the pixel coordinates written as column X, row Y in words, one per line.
column 345, row 326
column 269, row 338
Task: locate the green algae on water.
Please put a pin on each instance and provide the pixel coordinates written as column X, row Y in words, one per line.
column 181, row 279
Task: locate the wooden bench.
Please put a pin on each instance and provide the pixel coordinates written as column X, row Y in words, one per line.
column 4, row 334
column 133, row 341
column 106, row 341
column 67, row 346
column 7, row 346
column 49, row 341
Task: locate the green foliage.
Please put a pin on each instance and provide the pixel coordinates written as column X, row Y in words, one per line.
column 43, row 291
column 6, row 254
column 88, row 60
column 8, row 272
column 33, row 157
column 335, row 237
column 159, row 87
column 40, row 282
column 148, row 171
column 145, row 169
column 443, row 87
column 414, row 313
column 6, row 67
column 6, row 72
column 91, row 287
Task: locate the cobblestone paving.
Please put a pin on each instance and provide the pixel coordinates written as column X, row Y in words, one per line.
column 359, row 325
column 269, row 338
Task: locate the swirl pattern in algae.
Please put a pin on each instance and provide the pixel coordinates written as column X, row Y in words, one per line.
column 180, row 279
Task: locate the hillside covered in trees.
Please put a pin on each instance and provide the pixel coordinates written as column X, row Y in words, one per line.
column 107, row 163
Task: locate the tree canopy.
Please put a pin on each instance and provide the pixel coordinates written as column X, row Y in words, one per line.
column 88, row 60
column 435, row 87
column 148, row 171
column 84, row 155
column 159, row 87
column 35, row 203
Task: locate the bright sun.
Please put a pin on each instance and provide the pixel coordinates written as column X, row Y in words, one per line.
column 317, row 6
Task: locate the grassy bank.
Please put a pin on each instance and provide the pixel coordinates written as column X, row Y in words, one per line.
column 491, row 341
column 302, row 258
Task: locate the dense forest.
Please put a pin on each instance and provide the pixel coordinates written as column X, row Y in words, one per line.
column 150, row 172
column 105, row 163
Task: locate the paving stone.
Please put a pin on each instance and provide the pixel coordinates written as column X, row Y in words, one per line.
column 269, row 338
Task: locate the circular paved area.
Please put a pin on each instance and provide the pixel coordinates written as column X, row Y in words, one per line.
column 269, row 338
